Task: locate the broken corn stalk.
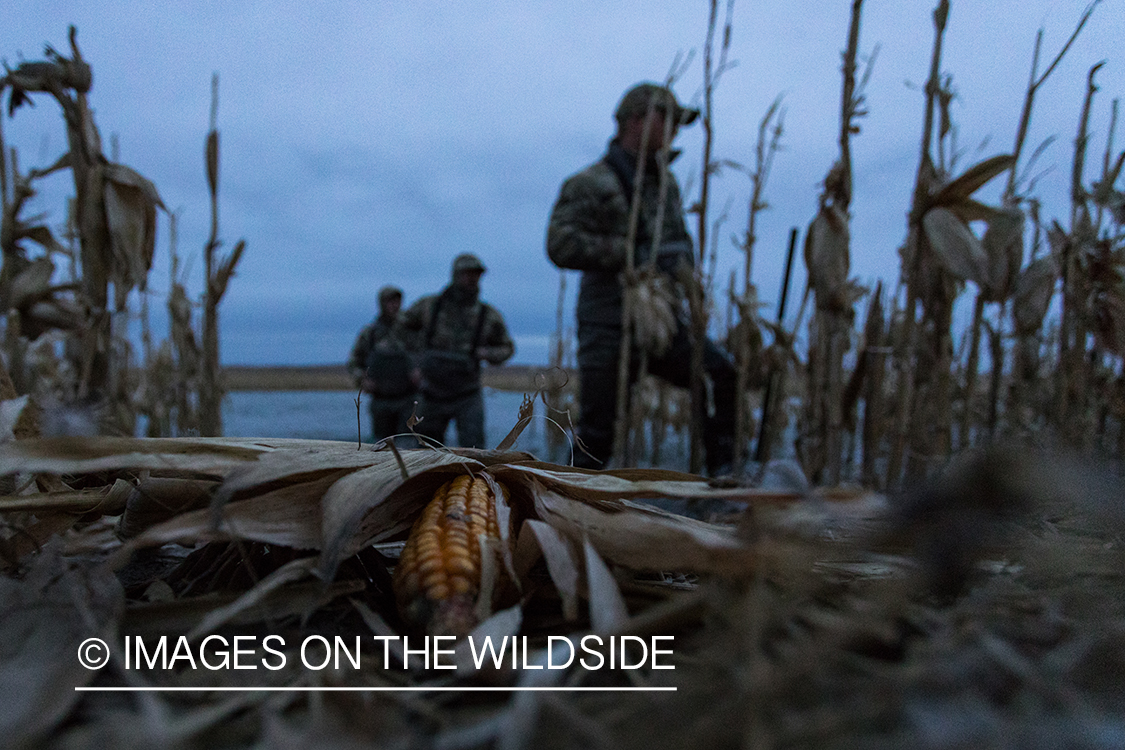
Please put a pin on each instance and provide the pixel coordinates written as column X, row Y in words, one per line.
column 438, row 576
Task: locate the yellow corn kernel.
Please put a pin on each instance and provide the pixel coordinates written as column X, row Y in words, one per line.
column 438, row 576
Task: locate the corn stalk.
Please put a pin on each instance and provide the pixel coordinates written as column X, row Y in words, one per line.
column 827, row 261
column 768, row 144
column 553, row 397
column 1030, row 288
column 217, row 273
column 641, row 285
column 1035, row 81
column 696, row 293
column 912, row 266
column 1092, row 335
column 621, row 420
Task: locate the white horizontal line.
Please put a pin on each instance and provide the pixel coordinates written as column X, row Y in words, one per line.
column 385, row 689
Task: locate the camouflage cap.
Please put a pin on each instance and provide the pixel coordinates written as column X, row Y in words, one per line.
column 388, row 292
column 468, row 262
column 635, row 103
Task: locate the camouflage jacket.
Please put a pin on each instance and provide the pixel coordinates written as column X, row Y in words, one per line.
column 454, row 329
column 590, row 221
column 377, row 336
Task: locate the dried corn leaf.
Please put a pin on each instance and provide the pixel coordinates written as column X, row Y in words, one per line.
column 10, row 411
column 377, row 625
column 130, row 211
column 288, row 515
column 645, row 538
column 607, row 606
column 502, row 625
column 1109, row 321
column 1059, row 240
column 296, row 460
column 224, row 270
column 42, row 235
column 970, row 210
column 292, row 571
column 109, row 500
column 78, row 455
column 597, row 486
column 181, row 615
column 157, row 499
column 43, row 619
column 956, row 248
column 34, row 535
column 562, row 563
column 972, row 179
column 120, row 174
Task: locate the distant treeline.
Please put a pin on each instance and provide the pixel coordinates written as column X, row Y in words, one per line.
column 521, row 378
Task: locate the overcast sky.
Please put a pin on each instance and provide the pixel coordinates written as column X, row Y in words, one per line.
column 367, row 143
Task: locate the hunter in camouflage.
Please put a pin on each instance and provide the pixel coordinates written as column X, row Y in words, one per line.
column 382, row 369
column 450, row 334
column 588, row 232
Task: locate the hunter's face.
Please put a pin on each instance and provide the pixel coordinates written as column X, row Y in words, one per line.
column 634, row 132
column 391, row 306
column 468, row 280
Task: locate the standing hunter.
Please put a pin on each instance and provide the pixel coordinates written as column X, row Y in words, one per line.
column 588, row 232
column 450, row 334
column 382, row 369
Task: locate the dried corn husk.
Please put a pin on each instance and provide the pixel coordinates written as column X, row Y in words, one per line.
column 1031, row 295
column 654, row 317
column 1109, row 320
column 59, row 314
column 827, row 257
column 1003, row 249
column 956, row 248
column 31, row 284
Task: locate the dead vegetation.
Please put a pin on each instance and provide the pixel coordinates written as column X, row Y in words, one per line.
column 977, row 611
column 981, row 607
column 891, row 398
column 68, row 345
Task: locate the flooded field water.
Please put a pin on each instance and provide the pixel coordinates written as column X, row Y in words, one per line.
column 331, row 415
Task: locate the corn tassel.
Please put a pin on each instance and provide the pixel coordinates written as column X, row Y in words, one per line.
column 438, row 576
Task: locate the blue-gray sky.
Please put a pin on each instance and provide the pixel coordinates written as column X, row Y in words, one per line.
column 367, row 143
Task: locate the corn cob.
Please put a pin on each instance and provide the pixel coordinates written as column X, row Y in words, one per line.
column 438, row 576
